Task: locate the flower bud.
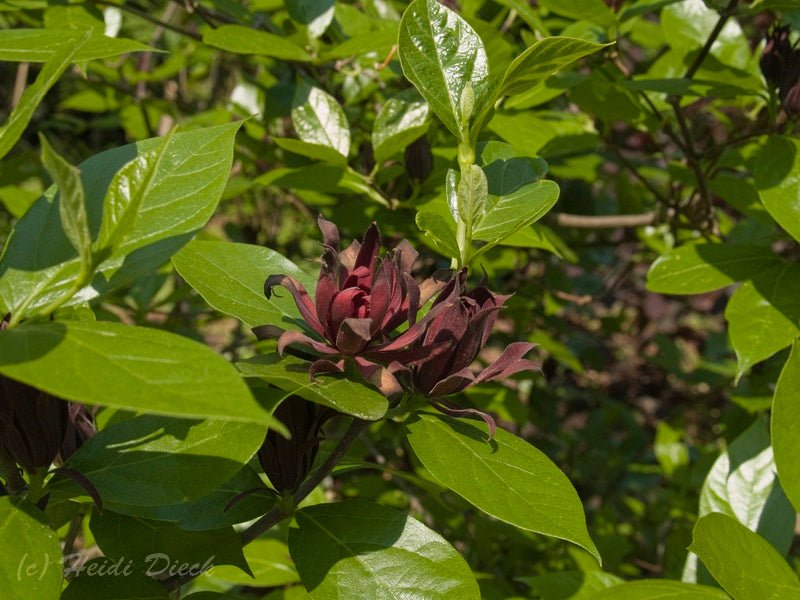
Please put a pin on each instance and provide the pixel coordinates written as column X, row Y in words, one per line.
column 287, row 462
column 419, row 160
column 777, row 52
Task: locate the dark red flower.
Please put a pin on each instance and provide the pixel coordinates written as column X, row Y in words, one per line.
column 360, row 300
column 461, row 325
column 776, row 55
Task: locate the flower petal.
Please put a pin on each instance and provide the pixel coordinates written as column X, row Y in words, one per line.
column 452, row 384
column 296, row 337
column 301, row 298
column 353, row 336
column 323, row 365
column 379, row 376
column 509, row 362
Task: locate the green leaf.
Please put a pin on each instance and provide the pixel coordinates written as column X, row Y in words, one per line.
column 133, row 368
column 743, row 562
column 318, row 118
column 212, row 511
column 231, row 277
column 402, row 119
column 246, row 40
column 154, row 547
column 440, row 54
column 507, row 169
column 763, row 315
column 269, row 562
column 660, row 589
column 507, row 478
column 473, row 192
column 114, row 584
column 316, row 15
column 516, row 211
column 439, row 233
column 71, row 201
column 155, row 461
column 30, row 551
column 543, row 59
column 180, row 200
column 743, row 485
column 571, row 585
column 699, row 268
column 61, row 58
column 316, row 151
column 128, row 189
column 291, row 375
column 775, row 173
column 786, row 426
column 41, row 45
column 388, row 555
column 590, row 10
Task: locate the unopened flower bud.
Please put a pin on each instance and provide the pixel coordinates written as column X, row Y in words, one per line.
column 777, row 53
column 419, row 160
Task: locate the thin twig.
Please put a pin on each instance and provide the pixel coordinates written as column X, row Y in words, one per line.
column 635, row 172
column 723, row 19
column 143, row 15
column 603, row 221
column 20, row 82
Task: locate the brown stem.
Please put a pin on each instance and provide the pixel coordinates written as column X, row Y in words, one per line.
column 147, row 17
column 279, row 513
column 603, row 221
column 20, row 81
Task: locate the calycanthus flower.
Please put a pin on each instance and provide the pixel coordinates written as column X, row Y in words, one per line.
column 459, row 330
column 360, row 300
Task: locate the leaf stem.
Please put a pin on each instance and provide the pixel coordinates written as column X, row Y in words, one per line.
column 726, row 14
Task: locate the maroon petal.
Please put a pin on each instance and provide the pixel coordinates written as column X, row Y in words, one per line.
column 405, row 256
column 452, row 384
column 297, row 337
column 326, row 290
column 354, row 335
column 509, row 362
column 322, row 366
column 301, row 298
column 416, row 331
column 370, row 246
column 343, row 306
column 267, row 332
column 379, row 376
column 434, row 284
column 330, row 233
column 382, row 296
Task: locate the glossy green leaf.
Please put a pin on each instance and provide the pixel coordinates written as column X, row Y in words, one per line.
column 318, row 118
column 30, row 553
column 71, row 202
column 699, row 268
column 246, row 40
column 291, row 375
column 401, row 120
column 231, row 277
column 40, row 45
column 507, row 478
column 775, row 172
column 128, row 189
column 743, row 562
column 439, row 233
column 763, row 315
column 134, row 368
column 155, row 461
column 213, row 510
column 507, row 169
column 55, row 66
column 155, row 547
column 542, row 59
column 571, row 585
column 472, row 194
column 786, row 426
column 181, row 198
column 743, row 485
column 660, row 589
column 269, row 561
column 106, row 579
column 316, row 151
column 316, row 15
column 388, row 555
column 441, row 54
column 517, row 210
